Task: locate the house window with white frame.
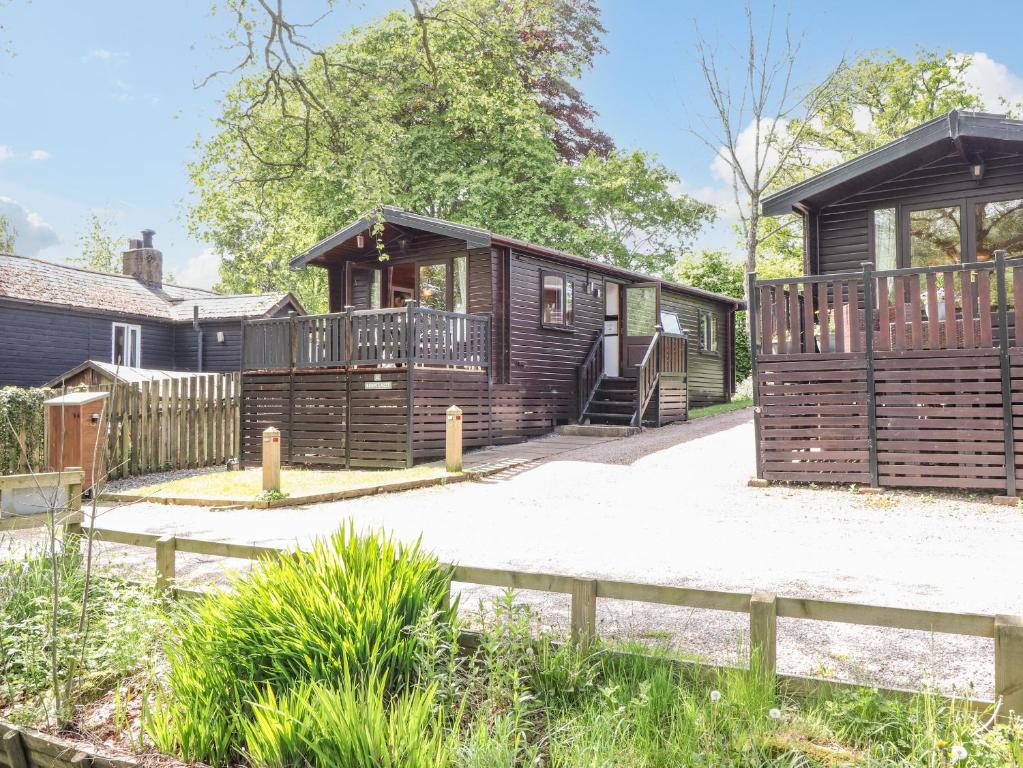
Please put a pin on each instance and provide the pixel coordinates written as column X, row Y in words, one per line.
column 708, row 331
column 126, row 345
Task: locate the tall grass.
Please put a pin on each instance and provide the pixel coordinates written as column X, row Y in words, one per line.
column 344, row 613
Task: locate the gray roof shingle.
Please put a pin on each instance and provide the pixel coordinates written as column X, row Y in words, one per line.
column 32, row 280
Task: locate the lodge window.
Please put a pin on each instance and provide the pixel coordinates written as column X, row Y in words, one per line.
column 444, row 285
column 670, row 323
column 556, row 300
column 967, row 229
column 708, row 331
column 126, row 345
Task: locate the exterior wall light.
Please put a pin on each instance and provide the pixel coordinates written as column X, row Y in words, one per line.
column 977, row 170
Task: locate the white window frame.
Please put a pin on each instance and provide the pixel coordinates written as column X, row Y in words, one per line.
column 137, row 356
column 708, row 330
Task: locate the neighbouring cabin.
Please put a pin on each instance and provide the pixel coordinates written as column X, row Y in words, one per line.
column 521, row 337
column 897, row 360
column 55, row 317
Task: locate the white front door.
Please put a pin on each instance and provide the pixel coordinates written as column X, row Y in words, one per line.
column 611, row 329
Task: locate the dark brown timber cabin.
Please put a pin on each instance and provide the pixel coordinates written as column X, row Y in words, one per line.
column 896, row 359
column 519, row 336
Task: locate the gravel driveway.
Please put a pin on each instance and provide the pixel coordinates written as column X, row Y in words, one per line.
column 671, row 506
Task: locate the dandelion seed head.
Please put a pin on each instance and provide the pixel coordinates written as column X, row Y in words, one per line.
column 715, row 695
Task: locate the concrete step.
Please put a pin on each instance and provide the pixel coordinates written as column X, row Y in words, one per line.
column 598, row 430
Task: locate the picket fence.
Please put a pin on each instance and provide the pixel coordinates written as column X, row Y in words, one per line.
column 178, row 423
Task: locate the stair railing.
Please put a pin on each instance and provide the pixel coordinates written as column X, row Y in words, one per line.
column 589, row 374
column 647, row 374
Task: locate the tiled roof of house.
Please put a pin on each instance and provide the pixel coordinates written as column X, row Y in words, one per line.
column 32, row 280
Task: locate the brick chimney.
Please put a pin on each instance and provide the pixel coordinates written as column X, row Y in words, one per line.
column 142, row 261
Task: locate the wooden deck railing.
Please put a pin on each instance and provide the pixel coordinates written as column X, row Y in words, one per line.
column 368, row 337
column 590, row 373
column 763, row 608
column 647, row 373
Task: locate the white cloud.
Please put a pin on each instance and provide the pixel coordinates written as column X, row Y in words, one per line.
column 994, row 81
column 32, row 233
column 200, row 271
column 103, row 54
column 39, row 154
column 6, row 153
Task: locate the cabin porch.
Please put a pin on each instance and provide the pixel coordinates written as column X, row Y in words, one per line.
column 898, row 378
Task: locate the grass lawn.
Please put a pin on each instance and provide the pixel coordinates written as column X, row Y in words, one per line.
column 247, row 484
column 713, row 410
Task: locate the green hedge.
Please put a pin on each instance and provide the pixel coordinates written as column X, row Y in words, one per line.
column 22, row 423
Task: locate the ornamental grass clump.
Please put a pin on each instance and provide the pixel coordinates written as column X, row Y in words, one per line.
column 344, row 613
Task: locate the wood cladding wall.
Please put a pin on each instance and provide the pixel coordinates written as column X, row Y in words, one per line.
column 843, row 229
column 707, row 371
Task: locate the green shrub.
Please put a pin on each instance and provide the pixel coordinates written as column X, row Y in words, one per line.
column 22, row 431
column 346, row 610
column 118, row 636
column 349, row 726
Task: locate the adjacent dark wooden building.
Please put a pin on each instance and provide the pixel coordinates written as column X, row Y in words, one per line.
column 520, row 336
column 54, row 317
column 897, row 360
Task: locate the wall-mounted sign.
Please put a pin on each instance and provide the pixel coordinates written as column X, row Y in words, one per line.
column 379, row 384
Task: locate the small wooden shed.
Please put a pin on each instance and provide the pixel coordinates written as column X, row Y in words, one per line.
column 74, row 435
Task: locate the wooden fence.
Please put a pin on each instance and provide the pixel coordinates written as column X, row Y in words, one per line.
column 178, row 423
column 764, row 608
column 901, row 378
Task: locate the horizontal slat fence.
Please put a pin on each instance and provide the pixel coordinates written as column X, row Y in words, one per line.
column 900, row 378
column 763, row 608
column 180, row 423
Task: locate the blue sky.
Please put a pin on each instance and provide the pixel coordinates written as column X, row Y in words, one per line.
column 98, row 111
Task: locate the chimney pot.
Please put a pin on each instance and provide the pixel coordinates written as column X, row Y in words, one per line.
column 147, row 237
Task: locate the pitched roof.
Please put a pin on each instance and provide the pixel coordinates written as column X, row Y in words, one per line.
column 475, row 237
column 33, row 280
column 125, row 373
column 969, row 133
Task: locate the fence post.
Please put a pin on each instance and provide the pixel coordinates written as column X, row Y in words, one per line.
column 1003, row 355
column 868, row 343
column 763, row 633
column 453, row 439
column 751, row 319
column 166, row 547
column 411, row 349
column 584, row 611
column 1009, row 663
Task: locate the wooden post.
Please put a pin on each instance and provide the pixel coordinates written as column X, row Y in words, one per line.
column 1008, row 433
column 166, row 569
column 15, row 749
column 74, row 503
column 751, row 318
column 453, row 439
column 1009, row 663
column 763, row 633
column 271, row 459
column 868, row 337
column 584, row 611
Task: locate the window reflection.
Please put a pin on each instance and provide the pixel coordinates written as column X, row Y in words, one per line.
column 433, row 286
column 935, row 237
column 999, row 228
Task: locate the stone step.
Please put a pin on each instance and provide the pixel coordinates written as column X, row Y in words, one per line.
column 598, row 430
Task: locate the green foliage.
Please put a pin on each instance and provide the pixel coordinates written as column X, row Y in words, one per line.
column 347, row 726
column 118, row 636
column 22, row 428
column 98, row 249
column 7, row 232
column 465, row 133
column 273, row 495
column 343, row 611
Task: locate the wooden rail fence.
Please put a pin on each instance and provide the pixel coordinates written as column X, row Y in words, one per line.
column 901, row 378
column 764, row 608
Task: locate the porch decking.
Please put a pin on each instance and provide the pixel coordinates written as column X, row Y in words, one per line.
column 902, row 378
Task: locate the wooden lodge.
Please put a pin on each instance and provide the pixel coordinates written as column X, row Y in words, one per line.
column 522, row 338
column 897, row 360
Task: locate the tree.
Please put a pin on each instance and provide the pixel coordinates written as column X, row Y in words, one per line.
column 757, row 130
column 98, row 249
column 441, row 114
column 7, row 235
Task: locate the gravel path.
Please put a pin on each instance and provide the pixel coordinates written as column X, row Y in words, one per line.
column 671, row 506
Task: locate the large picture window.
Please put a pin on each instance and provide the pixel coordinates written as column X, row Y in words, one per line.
column 126, row 345
column 557, row 301
column 886, row 238
column 935, row 237
column 433, row 285
column 999, row 228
